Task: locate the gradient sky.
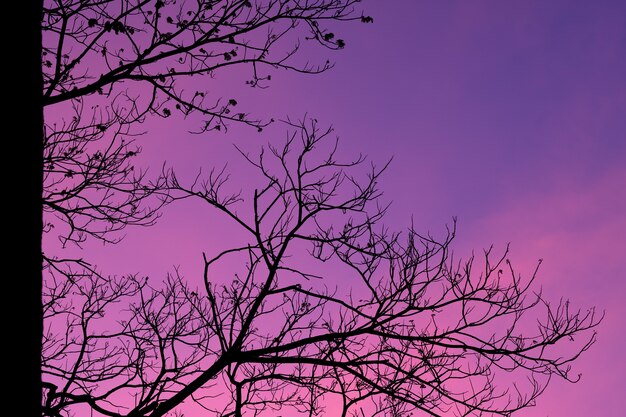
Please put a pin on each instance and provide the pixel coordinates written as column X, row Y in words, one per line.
column 510, row 115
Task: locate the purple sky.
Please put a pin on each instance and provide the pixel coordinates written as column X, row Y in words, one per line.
column 509, row 115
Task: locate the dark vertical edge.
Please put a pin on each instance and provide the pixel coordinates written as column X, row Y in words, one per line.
column 34, row 286
column 23, row 149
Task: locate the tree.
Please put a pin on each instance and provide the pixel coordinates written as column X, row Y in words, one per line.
column 410, row 330
column 106, row 67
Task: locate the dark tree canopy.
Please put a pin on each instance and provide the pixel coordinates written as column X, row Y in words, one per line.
column 322, row 310
column 107, row 65
column 99, row 47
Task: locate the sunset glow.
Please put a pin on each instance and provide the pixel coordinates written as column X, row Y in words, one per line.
column 508, row 116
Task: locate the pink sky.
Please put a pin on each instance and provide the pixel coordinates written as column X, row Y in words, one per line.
column 508, row 115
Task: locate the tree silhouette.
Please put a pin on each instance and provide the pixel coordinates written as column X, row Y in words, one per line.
column 321, row 305
column 106, row 67
column 411, row 331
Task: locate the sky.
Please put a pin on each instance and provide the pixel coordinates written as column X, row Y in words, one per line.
column 510, row 116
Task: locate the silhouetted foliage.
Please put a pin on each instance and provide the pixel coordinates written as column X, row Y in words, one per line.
column 327, row 307
column 90, row 181
column 321, row 309
column 100, row 47
column 109, row 64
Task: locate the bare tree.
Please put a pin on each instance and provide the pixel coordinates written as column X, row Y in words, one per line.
column 102, row 47
column 321, row 310
column 91, row 188
column 109, row 64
